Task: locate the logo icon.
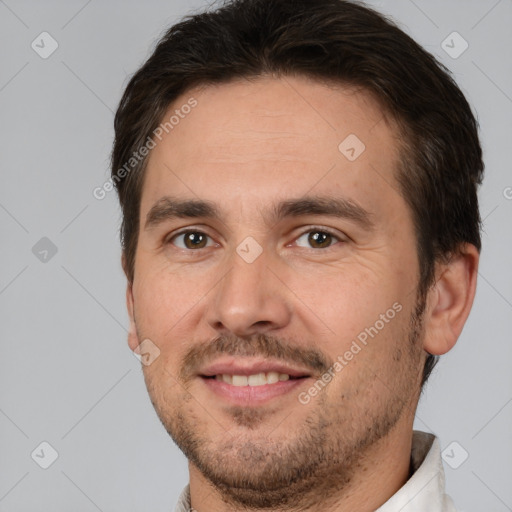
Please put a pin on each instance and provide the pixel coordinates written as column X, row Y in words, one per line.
column 147, row 352
column 249, row 250
column 454, row 45
column 351, row 147
column 44, row 250
column 454, row 455
column 44, row 455
column 44, row 45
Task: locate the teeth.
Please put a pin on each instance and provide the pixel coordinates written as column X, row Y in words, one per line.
column 258, row 379
column 272, row 377
column 239, row 380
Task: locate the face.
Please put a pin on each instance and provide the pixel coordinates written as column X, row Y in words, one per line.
column 276, row 272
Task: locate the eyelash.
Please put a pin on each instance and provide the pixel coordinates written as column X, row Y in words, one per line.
column 311, row 229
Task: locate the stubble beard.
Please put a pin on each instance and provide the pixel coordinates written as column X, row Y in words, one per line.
column 302, row 471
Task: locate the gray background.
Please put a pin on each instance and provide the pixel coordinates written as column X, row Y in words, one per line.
column 66, row 374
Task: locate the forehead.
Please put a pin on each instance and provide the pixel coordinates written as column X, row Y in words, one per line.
column 273, row 138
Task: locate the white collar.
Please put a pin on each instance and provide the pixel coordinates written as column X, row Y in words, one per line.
column 423, row 492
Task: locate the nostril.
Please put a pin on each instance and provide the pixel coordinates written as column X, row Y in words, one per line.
column 262, row 323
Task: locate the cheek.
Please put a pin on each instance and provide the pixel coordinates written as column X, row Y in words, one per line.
column 168, row 308
column 346, row 300
column 375, row 363
column 163, row 298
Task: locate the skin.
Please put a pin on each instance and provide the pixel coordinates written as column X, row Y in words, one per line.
column 246, row 146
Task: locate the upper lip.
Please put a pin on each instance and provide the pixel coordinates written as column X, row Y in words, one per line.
column 250, row 366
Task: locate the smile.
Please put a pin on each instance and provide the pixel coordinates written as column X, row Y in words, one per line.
column 257, row 379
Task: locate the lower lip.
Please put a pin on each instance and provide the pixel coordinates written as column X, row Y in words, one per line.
column 252, row 395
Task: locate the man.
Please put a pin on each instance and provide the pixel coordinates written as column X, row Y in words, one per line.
column 301, row 240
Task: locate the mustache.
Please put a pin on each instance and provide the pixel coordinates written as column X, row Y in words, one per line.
column 262, row 345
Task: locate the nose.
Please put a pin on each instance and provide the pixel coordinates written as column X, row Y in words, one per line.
column 250, row 299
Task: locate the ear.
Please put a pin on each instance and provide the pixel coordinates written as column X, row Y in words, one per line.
column 449, row 301
column 133, row 340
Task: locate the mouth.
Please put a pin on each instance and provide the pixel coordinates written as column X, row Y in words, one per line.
column 250, row 382
column 254, row 380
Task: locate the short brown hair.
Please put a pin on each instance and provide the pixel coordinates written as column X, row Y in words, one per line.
column 334, row 40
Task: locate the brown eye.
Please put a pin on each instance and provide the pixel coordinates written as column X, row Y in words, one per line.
column 190, row 240
column 317, row 239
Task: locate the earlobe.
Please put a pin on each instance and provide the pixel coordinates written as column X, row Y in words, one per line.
column 449, row 301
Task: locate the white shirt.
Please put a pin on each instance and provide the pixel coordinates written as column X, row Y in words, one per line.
column 423, row 492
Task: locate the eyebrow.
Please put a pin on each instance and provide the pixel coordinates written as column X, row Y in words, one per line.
column 337, row 207
column 168, row 208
